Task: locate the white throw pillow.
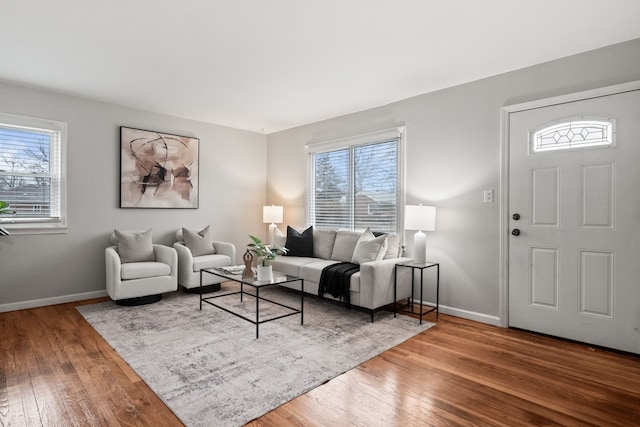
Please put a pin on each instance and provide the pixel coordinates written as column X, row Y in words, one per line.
column 369, row 248
column 393, row 246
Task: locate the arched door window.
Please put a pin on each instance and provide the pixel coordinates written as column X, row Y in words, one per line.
column 573, row 135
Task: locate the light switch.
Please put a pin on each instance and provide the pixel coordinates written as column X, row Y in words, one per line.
column 488, row 196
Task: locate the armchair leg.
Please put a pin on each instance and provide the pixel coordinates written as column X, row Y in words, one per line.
column 147, row 299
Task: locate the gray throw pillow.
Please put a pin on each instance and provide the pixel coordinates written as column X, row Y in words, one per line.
column 199, row 243
column 135, row 246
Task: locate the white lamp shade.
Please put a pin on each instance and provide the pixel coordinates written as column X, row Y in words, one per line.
column 422, row 218
column 272, row 214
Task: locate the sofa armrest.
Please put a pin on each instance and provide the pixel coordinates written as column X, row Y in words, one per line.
column 168, row 256
column 226, row 248
column 113, row 268
column 185, row 262
column 376, row 282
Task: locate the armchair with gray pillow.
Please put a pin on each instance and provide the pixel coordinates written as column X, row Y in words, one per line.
column 197, row 250
column 138, row 271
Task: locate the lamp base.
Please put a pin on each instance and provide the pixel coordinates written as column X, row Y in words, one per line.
column 272, row 233
column 420, row 247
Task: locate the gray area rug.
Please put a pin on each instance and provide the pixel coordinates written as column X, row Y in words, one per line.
column 209, row 368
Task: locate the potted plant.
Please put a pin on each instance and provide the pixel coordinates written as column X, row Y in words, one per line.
column 265, row 253
column 4, row 208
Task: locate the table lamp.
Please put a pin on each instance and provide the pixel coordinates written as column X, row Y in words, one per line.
column 273, row 215
column 421, row 218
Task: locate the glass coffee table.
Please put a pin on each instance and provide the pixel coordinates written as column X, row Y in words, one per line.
column 278, row 278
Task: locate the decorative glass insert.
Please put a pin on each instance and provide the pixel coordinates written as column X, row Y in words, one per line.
column 573, row 135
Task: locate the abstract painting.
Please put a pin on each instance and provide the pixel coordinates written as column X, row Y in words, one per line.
column 158, row 170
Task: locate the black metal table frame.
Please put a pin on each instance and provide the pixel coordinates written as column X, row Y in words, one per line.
column 256, row 285
column 413, row 266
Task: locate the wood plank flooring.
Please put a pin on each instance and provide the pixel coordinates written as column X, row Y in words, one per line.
column 57, row 371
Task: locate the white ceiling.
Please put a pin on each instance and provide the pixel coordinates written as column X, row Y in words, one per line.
column 267, row 65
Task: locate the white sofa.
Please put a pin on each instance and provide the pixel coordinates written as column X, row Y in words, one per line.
column 370, row 288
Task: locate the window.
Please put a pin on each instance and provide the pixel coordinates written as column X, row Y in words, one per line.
column 572, row 135
column 356, row 183
column 32, row 174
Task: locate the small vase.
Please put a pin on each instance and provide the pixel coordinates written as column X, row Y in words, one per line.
column 265, row 273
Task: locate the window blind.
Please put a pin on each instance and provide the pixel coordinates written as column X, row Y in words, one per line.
column 356, row 186
column 31, row 170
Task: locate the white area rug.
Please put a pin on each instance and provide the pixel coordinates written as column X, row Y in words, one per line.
column 210, row 370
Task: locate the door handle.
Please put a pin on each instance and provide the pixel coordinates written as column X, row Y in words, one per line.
column 516, row 216
column 515, row 232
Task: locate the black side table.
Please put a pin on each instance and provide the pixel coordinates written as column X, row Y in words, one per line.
column 416, row 266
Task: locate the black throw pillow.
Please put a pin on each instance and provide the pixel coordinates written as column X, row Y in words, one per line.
column 299, row 244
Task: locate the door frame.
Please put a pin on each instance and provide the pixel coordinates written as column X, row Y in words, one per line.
column 505, row 112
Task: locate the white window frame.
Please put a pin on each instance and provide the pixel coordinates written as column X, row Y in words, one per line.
column 346, row 143
column 57, row 165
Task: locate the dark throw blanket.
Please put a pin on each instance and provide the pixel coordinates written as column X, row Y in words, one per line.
column 335, row 280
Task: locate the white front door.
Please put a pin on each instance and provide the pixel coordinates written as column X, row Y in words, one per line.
column 574, row 267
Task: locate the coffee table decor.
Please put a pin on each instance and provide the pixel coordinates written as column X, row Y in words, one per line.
column 247, row 272
column 265, row 254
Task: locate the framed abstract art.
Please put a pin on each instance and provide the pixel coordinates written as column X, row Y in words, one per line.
column 158, row 170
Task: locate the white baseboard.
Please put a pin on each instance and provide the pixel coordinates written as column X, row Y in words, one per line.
column 471, row 315
column 21, row 305
column 465, row 314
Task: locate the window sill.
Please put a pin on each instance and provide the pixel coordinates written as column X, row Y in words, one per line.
column 30, row 229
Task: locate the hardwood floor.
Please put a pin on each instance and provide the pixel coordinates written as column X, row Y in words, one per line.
column 57, row 371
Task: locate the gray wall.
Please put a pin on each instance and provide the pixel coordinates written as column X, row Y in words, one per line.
column 452, row 155
column 42, row 269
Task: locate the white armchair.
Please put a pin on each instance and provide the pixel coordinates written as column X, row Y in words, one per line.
column 222, row 254
column 144, row 282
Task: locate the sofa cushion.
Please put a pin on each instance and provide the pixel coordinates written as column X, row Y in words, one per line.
column 313, row 270
column 210, row 261
column 369, row 248
column 393, row 246
column 200, row 242
column 291, row 264
column 299, row 244
column 279, row 239
column 134, row 246
column 309, row 269
column 394, row 249
column 344, row 245
column 323, row 241
column 142, row 270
